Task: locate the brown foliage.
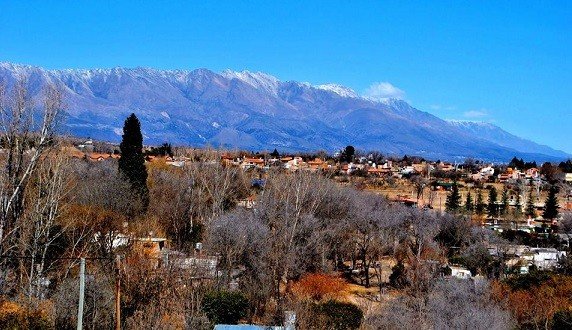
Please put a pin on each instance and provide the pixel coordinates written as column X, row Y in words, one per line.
column 537, row 305
column 18, row 316
column 318, row 286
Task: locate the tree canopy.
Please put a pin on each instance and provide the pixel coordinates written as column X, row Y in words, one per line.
column 530, row 212
column 348, row 154
column 132, row 161
column 453, row 202
column 492, row 208
column 551, row 204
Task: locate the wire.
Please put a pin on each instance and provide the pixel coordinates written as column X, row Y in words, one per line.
column 54, row 258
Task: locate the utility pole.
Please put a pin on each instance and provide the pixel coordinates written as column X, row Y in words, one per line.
column 117, row 293
column 81, row 293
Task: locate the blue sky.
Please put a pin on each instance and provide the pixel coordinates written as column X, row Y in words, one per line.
column 507, row 62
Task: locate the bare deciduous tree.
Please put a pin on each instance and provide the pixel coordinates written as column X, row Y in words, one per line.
column 25, row 142
column 450, row 304
column 41, row 228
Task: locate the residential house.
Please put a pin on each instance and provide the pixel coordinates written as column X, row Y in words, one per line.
column 546, row 258
column 487, row 172
column 151, row 247
column 317, row 164
column 446, row 167
column 524, row 256
column 248, row 163
column 248, row 203
column 293, row 163
column 379, row 171
column 532, row 173
column 200, row 267
column 408, row 170
column 97, row 157
column 460, row 272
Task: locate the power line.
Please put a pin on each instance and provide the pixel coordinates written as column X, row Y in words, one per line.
column 54, row 258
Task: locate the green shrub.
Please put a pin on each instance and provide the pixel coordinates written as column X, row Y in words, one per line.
column 398, row 279
column 338, row 315
column 527, row 281
column 223, row 307
column 562, row 320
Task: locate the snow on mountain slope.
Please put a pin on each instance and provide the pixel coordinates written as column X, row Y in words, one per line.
column 256, row 111
column 338, row 89
column 257, row 80
column 495, row 134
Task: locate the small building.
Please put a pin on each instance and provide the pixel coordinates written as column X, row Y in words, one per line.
column 101, row 156
column 248, row 163
column 460, row 272
column 247, row 203
column 199, row 266
column 289, row 324
column 546, row 258
column 149, row 246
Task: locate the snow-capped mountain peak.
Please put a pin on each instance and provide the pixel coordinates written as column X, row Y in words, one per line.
column 257, row 80
column 201, row 107
column 342, row 91
column 472, row 124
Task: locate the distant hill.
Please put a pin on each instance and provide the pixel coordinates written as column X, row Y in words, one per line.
column 256, row 111
column 495, row 134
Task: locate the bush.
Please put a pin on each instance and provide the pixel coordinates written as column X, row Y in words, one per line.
column 527, row 281
column 317, row 286
column 398, row 279
column 224, row 307
column 562, row 319
column 15, row 317
column 338, row 315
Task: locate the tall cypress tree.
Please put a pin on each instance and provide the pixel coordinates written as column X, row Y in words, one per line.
column 132, row 161
column 551, row 204
column 479, row 203
column 491, row 206
column 518, row 208
column 453, row 199
column 529, row 211
column 469, row 203
column 504, row 200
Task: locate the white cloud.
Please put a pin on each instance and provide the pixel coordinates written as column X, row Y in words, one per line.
column 380, row 91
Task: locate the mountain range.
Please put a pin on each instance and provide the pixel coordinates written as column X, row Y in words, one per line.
column 256, row 111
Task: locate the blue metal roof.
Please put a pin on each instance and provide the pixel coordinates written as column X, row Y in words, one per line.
column 246, row 327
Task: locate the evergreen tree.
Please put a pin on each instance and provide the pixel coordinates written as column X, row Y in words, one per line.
column 504, row 200
column 516, row 163
column 469, row 203
column 275, row 153
column 551, row 204
column 132, row 161
column 453, row 199
column 347, row 154
column 529, row 211
column 529, row 165
column 566, row 167
column 518, row 208
column 491, row 206
column 479, row 203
